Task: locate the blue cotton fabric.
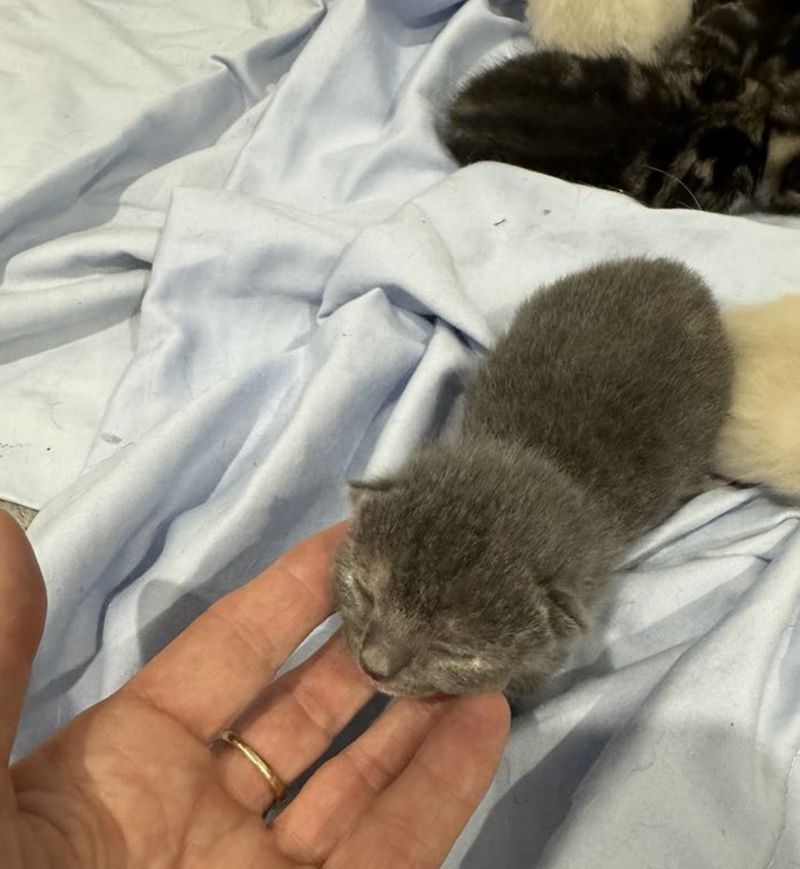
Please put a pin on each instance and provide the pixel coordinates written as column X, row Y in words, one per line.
column 239, row 268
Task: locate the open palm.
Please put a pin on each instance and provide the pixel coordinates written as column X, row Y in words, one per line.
column 132, row 783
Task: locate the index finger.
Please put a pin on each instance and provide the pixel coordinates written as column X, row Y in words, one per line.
column 226, row 656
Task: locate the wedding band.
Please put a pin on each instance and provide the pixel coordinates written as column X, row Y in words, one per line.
column 268, row 773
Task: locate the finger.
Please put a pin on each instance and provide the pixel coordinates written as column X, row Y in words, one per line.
column 23, row 604
column 294, row 722
column 338, row 795
column 416, row 819
column 225, row 657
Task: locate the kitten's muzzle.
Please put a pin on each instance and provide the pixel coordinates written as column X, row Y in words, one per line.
column 382, row 658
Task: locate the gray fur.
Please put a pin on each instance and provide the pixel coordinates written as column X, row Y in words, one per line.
column 479, row 564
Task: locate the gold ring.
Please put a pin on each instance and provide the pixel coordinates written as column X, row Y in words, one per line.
column 272, row 778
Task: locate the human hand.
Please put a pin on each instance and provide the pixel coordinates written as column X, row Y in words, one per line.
column 131, row 782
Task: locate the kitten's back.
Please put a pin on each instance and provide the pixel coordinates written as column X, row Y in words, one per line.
column 622, row 373
column 580, row 119
column 662, row 134
column 760, row 440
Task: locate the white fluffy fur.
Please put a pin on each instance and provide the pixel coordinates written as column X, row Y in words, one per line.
column 760, row 441
column 599, row 28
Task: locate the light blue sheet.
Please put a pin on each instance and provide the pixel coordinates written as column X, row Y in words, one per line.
column 238, row 268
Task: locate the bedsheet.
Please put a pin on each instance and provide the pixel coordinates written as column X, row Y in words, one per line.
column 237, row 269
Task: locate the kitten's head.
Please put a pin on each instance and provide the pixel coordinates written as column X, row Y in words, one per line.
column 470, row 563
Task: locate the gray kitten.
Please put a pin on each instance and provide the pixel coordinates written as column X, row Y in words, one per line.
column 593, row 418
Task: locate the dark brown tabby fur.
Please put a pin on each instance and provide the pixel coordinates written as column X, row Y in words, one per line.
column 593, row 418
column 716, row 126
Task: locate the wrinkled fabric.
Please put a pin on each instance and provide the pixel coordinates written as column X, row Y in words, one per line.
column 238, row 269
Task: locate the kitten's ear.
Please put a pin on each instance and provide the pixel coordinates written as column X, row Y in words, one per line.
column 361, row 490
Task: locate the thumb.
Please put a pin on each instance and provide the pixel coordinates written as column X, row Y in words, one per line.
column 23, row 603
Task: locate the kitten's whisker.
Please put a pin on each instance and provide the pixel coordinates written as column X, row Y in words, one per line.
column 675, row 178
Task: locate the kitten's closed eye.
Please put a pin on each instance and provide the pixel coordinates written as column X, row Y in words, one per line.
column 358, row 583
column 353, row 580
column 459, row 657
column 356, row 589
column 473, row 662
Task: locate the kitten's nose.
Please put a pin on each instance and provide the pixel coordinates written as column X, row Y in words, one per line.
column 380, row 658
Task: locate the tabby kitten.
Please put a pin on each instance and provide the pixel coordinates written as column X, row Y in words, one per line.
column 714, row 127
column 595, row 416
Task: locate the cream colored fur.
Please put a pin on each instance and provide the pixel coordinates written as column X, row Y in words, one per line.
column 760, row 440
column 598, row 28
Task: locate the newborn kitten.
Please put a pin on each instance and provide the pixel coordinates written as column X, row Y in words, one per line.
column 737, row 45
column 760, row 439
column 591, row 420
column 779, row 66
column 715, row 127
column 613, row 124
column 637, row 28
